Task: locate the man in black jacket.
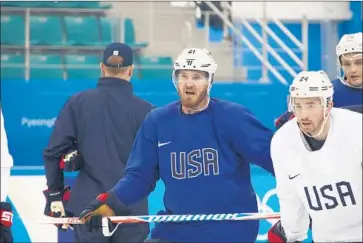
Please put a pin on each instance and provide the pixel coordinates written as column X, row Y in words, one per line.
column 94, row 134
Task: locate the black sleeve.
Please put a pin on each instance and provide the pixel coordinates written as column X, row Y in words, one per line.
column 62, row 140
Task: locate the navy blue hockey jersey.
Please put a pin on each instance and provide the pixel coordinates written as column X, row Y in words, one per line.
column 345, row 95
column 203, row 160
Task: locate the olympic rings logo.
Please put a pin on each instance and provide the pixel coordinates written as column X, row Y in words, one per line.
column 264, row 207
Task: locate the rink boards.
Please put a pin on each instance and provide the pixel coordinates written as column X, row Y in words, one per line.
column 29, row 207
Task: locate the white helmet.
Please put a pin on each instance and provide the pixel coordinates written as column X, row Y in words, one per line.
column 195, row 59
column 348, row 44
column 308, row 84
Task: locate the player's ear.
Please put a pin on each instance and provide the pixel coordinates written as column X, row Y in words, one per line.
column 102, row 68
column 131, row 70
column 330, row 105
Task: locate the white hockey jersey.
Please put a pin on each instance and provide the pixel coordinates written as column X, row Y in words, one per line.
column 325, row 184
column 6, row 161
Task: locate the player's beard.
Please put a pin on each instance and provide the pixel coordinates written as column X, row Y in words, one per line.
column 196, row 101
column 312, row 128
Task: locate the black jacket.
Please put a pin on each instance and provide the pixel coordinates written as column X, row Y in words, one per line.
column 101, row 124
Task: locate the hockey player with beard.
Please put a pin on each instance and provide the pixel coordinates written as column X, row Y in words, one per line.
column 317, row 158
column 347, row 91
column 201, row 148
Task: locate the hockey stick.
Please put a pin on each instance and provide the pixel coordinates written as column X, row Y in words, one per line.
column 163, row 218
column 170, row 218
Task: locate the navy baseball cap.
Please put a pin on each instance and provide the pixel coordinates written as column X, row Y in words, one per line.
column 118, row 49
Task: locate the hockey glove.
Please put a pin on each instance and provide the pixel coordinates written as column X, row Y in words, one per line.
column 287, row 116
column 276, row 234
column 6, row 222
column 105, row 205
column 72, row 161
column 55, row 204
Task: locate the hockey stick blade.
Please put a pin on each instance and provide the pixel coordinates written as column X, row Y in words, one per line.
column 170, row 218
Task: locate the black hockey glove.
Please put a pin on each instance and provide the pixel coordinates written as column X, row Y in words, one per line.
column 105, row 205
column 277, row 234
column 55, row 204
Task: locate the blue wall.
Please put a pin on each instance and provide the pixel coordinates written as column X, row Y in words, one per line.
column 353, row 25
column 30, row 107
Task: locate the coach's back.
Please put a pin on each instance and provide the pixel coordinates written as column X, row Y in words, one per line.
column 107, row 120
column 101, row 125
column 94, row 134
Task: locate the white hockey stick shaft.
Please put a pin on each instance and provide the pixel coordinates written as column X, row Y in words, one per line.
column 170, row 218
